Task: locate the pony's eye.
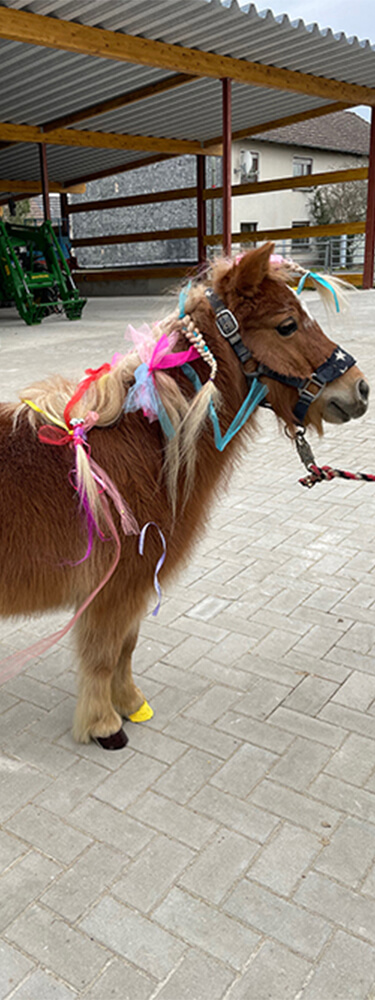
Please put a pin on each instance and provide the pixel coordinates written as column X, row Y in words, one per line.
column 287, row 327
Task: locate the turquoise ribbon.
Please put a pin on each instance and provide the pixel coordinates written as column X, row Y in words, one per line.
column 256, row 393
column 182, row 300
column 320, row 281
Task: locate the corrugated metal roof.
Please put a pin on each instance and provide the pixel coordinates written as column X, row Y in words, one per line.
column 43, row 83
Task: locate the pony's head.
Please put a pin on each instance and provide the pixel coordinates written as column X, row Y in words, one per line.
column 289, row 344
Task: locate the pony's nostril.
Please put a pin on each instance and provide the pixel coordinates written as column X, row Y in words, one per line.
column 363, row 389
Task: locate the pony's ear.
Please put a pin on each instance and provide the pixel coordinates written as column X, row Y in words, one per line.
column 252, row 268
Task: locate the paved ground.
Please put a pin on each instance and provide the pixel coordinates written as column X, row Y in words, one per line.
column 229, row 851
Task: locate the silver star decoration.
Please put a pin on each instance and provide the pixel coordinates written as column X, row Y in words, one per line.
column 340, row 355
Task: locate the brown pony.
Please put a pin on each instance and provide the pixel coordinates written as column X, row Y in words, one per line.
column 171, row 482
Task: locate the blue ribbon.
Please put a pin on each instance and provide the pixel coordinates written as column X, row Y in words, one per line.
column 256, row 393
column 320, row 281
column 182, row 300
column 160, row 561
column 143, row 395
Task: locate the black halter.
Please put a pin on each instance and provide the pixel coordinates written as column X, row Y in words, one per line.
column 336, row 365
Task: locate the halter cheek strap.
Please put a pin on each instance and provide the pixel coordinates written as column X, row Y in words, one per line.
column 308, row 389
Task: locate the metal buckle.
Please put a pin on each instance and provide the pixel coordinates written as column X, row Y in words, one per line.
column 227, row 323
column 313, row 380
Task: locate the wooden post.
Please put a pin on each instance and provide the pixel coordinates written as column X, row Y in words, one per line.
column 368, row 270
column 44, row 179
column 227, row 166
column 201, row 211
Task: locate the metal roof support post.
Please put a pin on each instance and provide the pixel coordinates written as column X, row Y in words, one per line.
column 44, row 179
column 201, row 211
column 64, row 214
column 368, row 270
column 227, row 166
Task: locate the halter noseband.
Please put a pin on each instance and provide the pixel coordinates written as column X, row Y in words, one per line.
column 336, row 365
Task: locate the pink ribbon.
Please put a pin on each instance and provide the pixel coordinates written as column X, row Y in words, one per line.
column 161, row 359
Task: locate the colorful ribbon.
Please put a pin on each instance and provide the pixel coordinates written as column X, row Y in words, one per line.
column 93, row 374
column 160, row 561
column 256, row 393
column 320, row 281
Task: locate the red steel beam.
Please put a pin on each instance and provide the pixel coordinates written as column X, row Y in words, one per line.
column 227, row 166
column 368, row 270
column 201, row 210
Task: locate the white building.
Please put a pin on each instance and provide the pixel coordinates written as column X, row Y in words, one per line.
column 332, row 142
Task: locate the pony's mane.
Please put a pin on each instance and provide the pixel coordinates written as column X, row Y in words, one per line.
column 45, row 401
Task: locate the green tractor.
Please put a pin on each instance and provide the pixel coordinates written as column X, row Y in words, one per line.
column 34, row 273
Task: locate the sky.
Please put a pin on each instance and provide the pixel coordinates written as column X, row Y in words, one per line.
column 353, row 18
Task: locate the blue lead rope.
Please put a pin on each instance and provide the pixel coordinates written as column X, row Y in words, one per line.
column 320, row 281
column 255, row 395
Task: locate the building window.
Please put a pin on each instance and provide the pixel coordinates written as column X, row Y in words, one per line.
column 249, row 166
column 248, row 227
column 302, row 166
column 303, row 242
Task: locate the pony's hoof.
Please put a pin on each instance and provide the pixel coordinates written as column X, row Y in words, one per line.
column 117, row 741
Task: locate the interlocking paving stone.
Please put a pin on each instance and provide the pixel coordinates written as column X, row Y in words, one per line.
column 134, row 777
column 218, row 866
column 273, row 972
column 347, row 971
column 351, row 910
column 239, row 775
column 197, row 976
column 171, row 818
column 350, row 852
column 294, row 806
column 143, row 943
column 13, row 967
column 80, row 886
column 23, row 883
column 283, row 861
column 207, row 928
column 354, row 761
column 19, row 783
column 300, row 764
column 187, row 775
column 51, row 941
column 234, row 812
column 271, row 915
column 148, row 878
column 48, row 833
column 41, row 986
column 120, row 981
column 115, row 828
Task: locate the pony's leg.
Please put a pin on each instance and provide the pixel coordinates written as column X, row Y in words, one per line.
column 126, row 696
column 100, row 637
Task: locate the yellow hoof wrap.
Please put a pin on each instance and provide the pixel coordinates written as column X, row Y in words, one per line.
column 144, row 713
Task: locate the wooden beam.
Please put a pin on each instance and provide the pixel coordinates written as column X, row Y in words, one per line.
column 98, row 140
column 121, row 101
column 251, row 187
column 35, row 187
column 190, row 232
column 287, row 183
column 300, row 116
column 296, row 233
column 54, row 33
column 127, row 201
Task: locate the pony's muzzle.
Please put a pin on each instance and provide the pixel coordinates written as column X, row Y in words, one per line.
column 346, row 399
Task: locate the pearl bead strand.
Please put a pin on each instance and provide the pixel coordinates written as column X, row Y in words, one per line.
column 197, row 340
